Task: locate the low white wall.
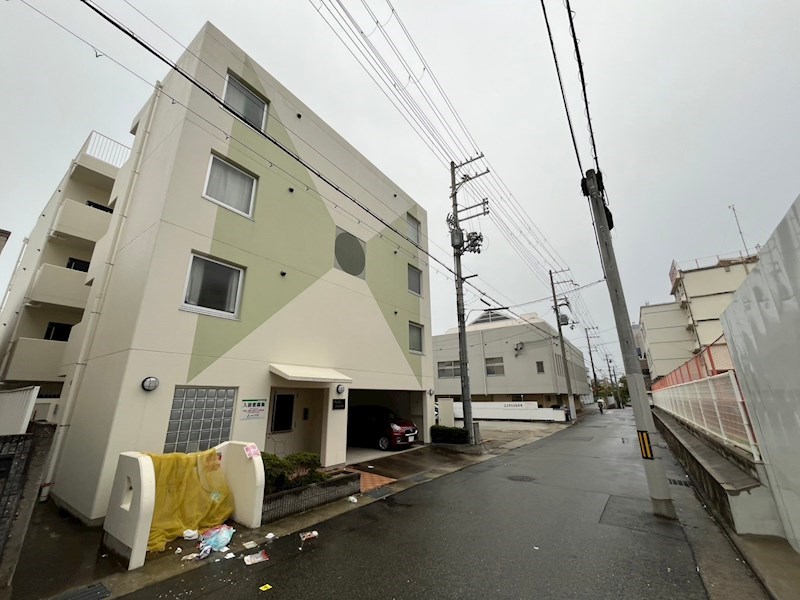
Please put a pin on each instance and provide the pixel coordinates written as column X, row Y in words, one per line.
column 245, row 479
column 130, row 508
column 510, row 411
column 16, row 407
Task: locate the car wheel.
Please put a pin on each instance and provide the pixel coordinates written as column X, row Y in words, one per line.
column 383, row 443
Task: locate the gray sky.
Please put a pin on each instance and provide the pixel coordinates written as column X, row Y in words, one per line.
column 694, row 105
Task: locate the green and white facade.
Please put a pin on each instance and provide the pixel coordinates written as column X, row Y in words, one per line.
column 261, row 299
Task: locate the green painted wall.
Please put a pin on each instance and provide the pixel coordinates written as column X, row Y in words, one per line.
column 267, row 242
column 293, row 229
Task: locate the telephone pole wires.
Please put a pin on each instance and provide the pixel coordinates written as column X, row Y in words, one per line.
column 556, row 306
column 592, row 186
column 464, row 242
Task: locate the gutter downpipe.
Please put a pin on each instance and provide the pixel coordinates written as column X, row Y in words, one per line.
column 94, row 315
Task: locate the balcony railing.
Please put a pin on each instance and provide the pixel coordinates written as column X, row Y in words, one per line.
column 35, row 360
column 105, row 149
column 81, row 221
column 60, row 286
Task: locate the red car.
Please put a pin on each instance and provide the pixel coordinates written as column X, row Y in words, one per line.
column 379, row 426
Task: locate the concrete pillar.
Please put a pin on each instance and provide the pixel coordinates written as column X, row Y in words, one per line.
column 334, row 426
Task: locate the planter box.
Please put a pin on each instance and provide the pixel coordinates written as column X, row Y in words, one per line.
column 292, row 502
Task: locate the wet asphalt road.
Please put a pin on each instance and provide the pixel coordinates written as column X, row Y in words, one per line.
column 565, row 517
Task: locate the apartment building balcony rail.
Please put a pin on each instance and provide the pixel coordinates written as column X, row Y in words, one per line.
column 60, row 286
column 35, row 360
column 713, row 405
column 79, row 220
column 105, row 149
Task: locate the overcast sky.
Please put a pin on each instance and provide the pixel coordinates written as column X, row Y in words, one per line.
column 695, row 107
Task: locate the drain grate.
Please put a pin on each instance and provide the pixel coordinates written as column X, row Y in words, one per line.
column 521, row 478
column 96, row 591
column 379, row 493
column 683, row 482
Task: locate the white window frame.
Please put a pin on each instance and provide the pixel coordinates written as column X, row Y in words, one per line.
column 454, row 365
column 419, row 271
column 418, row 228
column 494, row 366
column 421, row 338
column 220, row 202
column 234, row 316
column 252, row 91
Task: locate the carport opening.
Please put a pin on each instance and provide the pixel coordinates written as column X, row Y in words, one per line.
column 364, row 435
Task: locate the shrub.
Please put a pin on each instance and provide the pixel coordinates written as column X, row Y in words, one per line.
column 449, row 435
column 296, row 470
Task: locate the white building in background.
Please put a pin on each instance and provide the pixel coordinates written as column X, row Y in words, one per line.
column 4, row 235
column 210, row 287
column 510, row 360
column 674, row 332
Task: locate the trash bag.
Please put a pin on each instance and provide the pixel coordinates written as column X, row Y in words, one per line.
column 217, row 538
column 191, row 493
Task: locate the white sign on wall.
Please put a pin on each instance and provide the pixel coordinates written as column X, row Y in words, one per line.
column 253, row 409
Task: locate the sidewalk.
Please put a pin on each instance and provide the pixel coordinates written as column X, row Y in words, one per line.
column 597, row 457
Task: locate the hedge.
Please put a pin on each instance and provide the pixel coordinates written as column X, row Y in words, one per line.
column 449, row 435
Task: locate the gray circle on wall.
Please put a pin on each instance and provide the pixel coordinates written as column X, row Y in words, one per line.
column 350, row 256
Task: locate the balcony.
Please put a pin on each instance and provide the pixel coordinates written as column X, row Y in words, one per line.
column 81, row 221
column 35, row 360
column 60, row 286
column 99, row 159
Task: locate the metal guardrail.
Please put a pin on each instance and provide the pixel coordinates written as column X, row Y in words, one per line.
column 105, row 149
column 714, row 405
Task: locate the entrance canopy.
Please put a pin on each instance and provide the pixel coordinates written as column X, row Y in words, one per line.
column 305, row 373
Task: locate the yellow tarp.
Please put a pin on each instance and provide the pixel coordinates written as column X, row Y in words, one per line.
column 191, row 493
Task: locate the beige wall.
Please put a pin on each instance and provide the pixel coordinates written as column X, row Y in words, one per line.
column 521, row 376
column 669, row 343
column 714, row 280
column 336, row 321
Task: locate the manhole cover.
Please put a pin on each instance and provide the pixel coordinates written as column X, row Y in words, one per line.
column 96, row 591
column 521, row 478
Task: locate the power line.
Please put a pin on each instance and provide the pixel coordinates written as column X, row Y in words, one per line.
column 217, row 100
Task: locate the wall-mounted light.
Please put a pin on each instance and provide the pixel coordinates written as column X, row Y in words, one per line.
column 149, row 383
column 340, row 389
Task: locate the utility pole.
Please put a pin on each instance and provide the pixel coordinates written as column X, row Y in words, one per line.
column 591, row 359
column 741, row 235
column 592, row 186
column 461, row 242
column 573, row 415
column 612, row 376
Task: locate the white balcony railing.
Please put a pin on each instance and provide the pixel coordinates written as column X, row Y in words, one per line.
column 105, row 149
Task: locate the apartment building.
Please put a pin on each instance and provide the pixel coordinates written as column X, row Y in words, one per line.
column 510, row 360
column 673, row 332
column 232, row 293
column 4, row 235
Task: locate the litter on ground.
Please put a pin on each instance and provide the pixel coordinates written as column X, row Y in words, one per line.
column 307, row 535
column 352, row 499
column 229, row 555
column 258, row 557
column 250, row 544
column 217, row 538
column 191, row 534
column 190, row 556
column 271, row 536
column 178, row 550
column 265, row 587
